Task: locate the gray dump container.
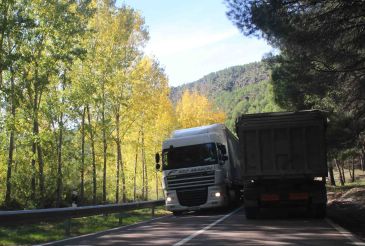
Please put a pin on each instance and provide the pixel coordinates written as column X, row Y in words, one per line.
column 282, row 145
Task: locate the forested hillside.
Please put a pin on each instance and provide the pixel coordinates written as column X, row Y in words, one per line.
column 235, row 90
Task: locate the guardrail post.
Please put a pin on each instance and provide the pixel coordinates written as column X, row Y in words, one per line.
column 153, row 211
column 68, row 227
column 120, row 221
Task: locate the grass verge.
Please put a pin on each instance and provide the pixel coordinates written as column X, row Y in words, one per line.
column 46, row 232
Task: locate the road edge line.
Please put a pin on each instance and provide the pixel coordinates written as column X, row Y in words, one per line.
column 187, row 239
column 349, row 235
column 102, row 232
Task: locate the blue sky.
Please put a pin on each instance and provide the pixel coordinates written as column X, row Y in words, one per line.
column 192, row 38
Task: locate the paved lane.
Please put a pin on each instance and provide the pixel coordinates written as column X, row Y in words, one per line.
column 225, row 228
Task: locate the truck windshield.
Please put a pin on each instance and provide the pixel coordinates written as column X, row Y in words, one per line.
column 190, row 156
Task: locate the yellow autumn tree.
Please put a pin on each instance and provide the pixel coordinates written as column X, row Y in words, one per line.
column 194, row 109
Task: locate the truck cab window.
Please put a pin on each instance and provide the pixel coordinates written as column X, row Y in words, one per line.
column 190, row 156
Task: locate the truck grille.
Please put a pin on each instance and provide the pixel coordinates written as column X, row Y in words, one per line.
column 194, row 197
column 199, row 179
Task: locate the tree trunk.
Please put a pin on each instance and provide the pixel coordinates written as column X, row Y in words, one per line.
column 330, row 171
column 105, row 146
column 37, row 150
column 118, row 157
column 92, row 153
column 82, row 185
column 362, row 159
column 135, row 170
column 120, row 164
column 59, row 161
column 59, row 148
column 342, row 166
column 353, row 170
column 40, row 166
column 11, row 142
column 340, row 173
column 124, row 191
column 34, row 171
column 156, row 185
column 117, row 178
column 144, row 167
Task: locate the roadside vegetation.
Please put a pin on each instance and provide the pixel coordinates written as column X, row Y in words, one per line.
column 46, row 232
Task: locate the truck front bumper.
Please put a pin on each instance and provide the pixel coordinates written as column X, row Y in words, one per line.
column 216, row 197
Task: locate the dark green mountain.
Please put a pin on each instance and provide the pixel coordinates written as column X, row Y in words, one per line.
column 235, row 90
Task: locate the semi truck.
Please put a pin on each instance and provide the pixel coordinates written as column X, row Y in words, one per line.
column 200, row 169
column 284, row 160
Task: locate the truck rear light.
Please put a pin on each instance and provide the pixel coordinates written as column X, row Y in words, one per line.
column 298, row 196
column 270, row 197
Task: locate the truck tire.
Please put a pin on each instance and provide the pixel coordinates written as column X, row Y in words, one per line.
column 251, row 212
column 177, row 213
column 319, row 211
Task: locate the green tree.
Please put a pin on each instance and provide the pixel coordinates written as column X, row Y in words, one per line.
column 322, row 50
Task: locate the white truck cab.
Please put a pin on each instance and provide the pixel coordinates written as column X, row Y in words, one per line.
column 197, row 165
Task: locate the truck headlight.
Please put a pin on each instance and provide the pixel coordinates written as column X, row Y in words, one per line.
column 168, row 199
column 217, row 194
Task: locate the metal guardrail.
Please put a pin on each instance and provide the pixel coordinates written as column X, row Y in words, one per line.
column 53, row 214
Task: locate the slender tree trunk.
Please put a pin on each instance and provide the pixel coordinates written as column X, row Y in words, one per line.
column 330, row 171
column 82, row 185
column 135, row 170
column 118, row 157
column 340, row 173
column 59, row 161
column 37, row 150
column 144, row 166
column 353, row 170
column 105, row 146
column 117, row 178
column 40, row 166
column 342, row 166
column 362, row 159
column 34, row 171
column 59, row 152
column 11, row 142
column 92, row 153
column 124, row 191
column 156, row 185
column 120, row 164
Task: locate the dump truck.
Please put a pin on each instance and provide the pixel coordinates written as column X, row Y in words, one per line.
column 200, row 169
column 283, row 156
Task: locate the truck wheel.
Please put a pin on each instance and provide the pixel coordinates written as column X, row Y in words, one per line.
column 251, row 212
column 177, row 213
column 319, row 211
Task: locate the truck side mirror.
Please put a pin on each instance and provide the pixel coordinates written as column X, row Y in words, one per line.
column 223, row 149
column 157, row 158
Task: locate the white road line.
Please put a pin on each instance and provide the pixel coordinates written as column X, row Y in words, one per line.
column 187, row 239
column 102, row 232
column 346, row 233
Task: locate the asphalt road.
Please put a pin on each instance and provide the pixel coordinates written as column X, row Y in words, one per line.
column 223, row 228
